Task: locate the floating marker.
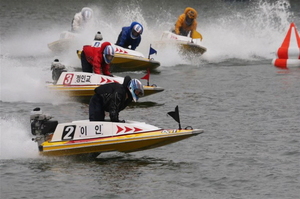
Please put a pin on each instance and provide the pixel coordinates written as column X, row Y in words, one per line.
column 288, row 55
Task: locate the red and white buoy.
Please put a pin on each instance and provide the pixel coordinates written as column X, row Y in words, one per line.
column 288, row 55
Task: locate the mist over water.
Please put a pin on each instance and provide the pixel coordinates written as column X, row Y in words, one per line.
column 11, row 148
column 245, row 30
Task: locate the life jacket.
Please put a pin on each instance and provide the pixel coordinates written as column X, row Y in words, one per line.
column 125, row 40
column 94, row 55
column 115, row 97
column 182, row 27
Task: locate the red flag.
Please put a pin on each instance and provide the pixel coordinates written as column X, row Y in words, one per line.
column 147, row 76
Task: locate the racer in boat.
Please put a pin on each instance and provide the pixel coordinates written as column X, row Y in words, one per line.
column 186, row 22
column 81, row 19
column 97, row 59
column 130, row 36
column 113, row 98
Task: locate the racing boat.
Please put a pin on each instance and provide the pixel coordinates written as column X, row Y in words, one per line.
column 124, row 60
column 131, row 60
column 93, row 138
column 128, row 60
column 187, row 45
column 66, row 40
column 82, row 84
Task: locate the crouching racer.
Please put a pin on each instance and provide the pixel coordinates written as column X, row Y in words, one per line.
column 186, row 22
column 130, row 36
column 97, row 59
column 113, row 98
column 82, row 19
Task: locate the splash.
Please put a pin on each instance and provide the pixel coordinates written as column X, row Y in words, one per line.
column 15, row 140
column 251, row 33
column 152, row 32
column 25, row 80
column 245, row 31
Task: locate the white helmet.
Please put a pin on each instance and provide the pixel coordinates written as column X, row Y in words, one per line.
column 108, row 54
column 87, row 13
column 136, row 89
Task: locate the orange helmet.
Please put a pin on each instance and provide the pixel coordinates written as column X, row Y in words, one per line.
column 191, row 14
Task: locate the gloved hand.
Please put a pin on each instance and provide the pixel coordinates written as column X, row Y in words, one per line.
column 121, row 121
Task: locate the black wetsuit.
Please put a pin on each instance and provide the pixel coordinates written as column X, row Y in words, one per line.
column 112, row 98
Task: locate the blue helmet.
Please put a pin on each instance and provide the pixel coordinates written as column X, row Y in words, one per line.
column 136, row 31
column 108, row 54
column 136, row 89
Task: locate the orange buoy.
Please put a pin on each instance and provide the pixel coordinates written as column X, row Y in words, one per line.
column 288, row 55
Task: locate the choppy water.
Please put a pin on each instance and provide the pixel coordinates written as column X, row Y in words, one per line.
column 249, row 109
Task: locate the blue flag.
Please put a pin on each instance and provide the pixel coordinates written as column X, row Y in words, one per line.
column 152, row 51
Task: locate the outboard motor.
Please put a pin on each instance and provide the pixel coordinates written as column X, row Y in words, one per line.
column 57, row 68
column 41, row 125
column 97, row 40
column 98, row 36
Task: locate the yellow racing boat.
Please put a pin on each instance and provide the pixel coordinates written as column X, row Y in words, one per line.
column 128, row 60
column 93, row 138
column 122, row 62
column 82, row 84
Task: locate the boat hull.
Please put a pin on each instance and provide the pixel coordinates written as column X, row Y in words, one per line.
column 127, row 62
column 124, row 143
column 131, row 63
column 60, row 45
column 186, row 45
column 66, row 41
column 193, row 48
column 88, row 91
column 82, row 84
